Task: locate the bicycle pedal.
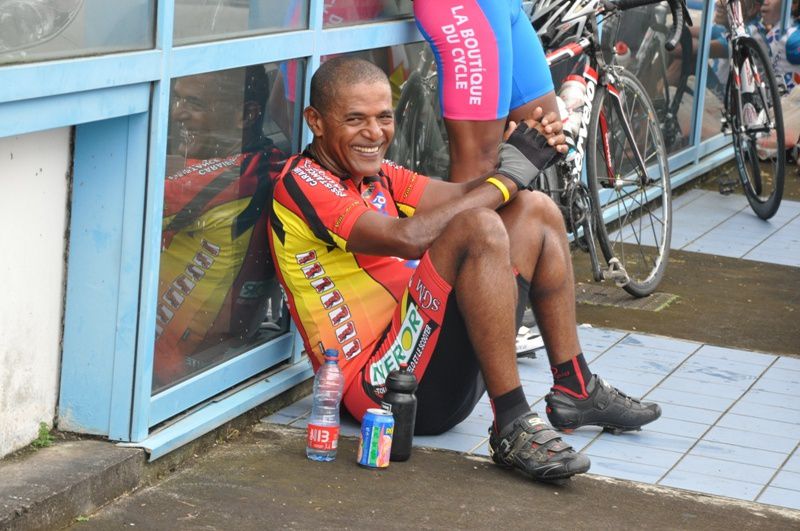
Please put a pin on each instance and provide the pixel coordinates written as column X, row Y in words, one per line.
column 617, row 273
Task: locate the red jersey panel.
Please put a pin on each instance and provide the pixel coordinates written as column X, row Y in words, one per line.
column 338, row 299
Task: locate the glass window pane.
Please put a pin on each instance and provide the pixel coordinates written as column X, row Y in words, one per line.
column 638, row 39
column 218, row 295
column 36, row 30
column 349, row 12
column 205, row 20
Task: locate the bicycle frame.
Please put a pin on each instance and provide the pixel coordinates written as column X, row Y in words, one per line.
column 733, row 10
column 596, row 72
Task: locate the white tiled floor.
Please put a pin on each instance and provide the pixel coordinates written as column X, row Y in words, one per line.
column 730, row 423
column 707, row 222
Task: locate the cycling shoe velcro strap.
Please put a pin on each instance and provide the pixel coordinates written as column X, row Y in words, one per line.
column 532, row 430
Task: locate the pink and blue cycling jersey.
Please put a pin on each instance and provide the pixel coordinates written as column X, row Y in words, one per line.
column 489, row 57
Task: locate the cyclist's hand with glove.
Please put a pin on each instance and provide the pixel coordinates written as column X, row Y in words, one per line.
column 530, row 147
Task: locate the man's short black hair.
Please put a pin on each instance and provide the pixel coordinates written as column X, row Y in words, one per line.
column 340, row 72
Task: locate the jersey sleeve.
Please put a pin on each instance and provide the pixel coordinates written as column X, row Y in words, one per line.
column 793, row 46
column 406, row 186
column 312, row 198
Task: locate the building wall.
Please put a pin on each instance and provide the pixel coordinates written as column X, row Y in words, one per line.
column 34, row 177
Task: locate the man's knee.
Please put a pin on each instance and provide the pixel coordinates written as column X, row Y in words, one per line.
column 540, row 208
column 480, row 228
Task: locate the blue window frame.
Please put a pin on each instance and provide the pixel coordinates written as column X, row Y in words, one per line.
column 119, row 105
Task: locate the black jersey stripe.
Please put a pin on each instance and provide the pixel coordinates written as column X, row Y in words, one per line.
column 314, row 222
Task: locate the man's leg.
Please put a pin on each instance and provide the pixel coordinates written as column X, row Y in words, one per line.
column 473, row 255
column 540, row 252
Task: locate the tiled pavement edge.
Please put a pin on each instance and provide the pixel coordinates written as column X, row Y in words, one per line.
column 730, row 425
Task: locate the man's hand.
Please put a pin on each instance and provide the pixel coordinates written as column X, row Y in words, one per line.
column 529, row 148
column 549, row 125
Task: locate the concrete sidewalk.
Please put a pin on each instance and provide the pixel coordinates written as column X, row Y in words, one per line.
column 264, row 481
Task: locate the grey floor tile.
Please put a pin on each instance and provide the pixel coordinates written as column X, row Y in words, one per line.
column 720, row 468
column 598, row 339
column 475, row 427
column 616, row 375
column 768, row 398
column 621, row 469
column 682, row 428
column 740, row 438
column 751, row 409
column 787, row 480
column 739, row 454
column 641, row 359
column 482, row 449
column 778, row 386
column 780, row 497
column 793, row 464
column 692, row 414
column 633, row 453
column 732, row 354
column 711, row 485
column 785, row 362
column 737, row 368
column 707, row 373
column 782, row 375
column 671, row 396
column 691, row 387
column 661, row 343
column 761, row 426
column 651, row 439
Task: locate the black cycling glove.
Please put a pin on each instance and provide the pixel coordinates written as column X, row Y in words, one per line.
column 524, row 155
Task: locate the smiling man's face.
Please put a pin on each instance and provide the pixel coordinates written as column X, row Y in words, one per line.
column 353, row 134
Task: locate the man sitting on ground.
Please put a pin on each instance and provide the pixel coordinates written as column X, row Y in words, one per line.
column 391, row 267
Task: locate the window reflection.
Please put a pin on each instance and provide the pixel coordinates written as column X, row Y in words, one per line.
column 36, row 30
column 637, row 42
column 204, row 20
column 348, row 12
column 217, row 295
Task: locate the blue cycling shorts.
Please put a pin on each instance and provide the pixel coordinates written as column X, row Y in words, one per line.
column 489, row 58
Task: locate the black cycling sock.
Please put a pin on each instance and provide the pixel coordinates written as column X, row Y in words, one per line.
column 507, row 407
column 572, row 377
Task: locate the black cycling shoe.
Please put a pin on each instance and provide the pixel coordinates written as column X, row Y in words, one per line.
column 535, row 448
column 606, row 406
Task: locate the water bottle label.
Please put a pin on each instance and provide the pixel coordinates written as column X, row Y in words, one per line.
column 322, row 437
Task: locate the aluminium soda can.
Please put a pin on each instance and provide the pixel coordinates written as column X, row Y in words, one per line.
column 375, row 444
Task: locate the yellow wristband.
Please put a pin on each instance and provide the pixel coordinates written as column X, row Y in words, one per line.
column 500, row 186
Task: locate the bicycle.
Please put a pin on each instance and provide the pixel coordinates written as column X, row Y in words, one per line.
column 630, row 182
column 752, row 111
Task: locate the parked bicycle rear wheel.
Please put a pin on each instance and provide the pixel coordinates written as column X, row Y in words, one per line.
column 756, row 116
column 636, row 198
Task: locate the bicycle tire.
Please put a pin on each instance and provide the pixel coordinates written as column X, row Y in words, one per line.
column 639, row 236
column 763, row 189
column 420, row 142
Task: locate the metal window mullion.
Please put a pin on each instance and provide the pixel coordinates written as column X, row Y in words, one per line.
column 151, row 244
column 701, row 77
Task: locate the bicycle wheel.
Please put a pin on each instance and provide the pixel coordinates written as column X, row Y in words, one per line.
column 420, row 141
column 756, row 117
column 635, row 197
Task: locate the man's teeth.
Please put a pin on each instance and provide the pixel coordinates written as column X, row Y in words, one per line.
column 364, row 149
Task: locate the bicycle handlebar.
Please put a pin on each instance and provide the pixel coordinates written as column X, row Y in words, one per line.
column 679, row 16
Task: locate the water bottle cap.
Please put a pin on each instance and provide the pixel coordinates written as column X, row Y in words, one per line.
column 331, row 354
column 401, row 380
column 621, row 48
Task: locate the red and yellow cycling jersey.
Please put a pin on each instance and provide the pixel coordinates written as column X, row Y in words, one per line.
column 214, row 258
column 340, row 299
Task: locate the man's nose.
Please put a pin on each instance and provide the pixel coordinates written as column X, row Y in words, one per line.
column 373, row 129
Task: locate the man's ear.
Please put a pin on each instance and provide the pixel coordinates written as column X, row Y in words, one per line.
column 314, row 120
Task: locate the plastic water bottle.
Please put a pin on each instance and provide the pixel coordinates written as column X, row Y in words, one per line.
column 623, row 53
column 571, row 97
column 401, row 402
column 323, row 425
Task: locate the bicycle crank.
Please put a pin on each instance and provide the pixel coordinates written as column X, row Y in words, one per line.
column 617, row 273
